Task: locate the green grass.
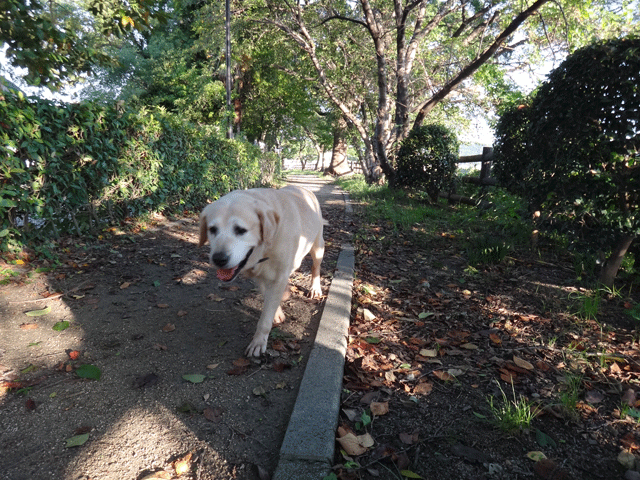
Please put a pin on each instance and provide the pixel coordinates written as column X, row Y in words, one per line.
column 486, row 236
column 511, row 415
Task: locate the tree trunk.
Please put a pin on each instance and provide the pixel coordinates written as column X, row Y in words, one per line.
column 339, row 164
column 612, row 265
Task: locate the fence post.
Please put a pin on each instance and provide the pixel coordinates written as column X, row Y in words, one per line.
column 485, row 165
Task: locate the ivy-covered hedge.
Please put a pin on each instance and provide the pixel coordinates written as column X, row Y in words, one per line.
column 65, row 169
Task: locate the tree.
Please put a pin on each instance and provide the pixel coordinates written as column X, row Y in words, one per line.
column 581, row 164
column 404, row 59
column 56, row 43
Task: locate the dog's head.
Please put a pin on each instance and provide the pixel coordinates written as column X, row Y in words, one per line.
column 239, row 230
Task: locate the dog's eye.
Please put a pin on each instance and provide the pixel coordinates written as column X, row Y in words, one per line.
column 213, row 230
column 239, row 230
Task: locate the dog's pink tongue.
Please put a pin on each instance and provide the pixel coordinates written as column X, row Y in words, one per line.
column 225, row 274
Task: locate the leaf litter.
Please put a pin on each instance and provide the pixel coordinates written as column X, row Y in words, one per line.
column 431, row 346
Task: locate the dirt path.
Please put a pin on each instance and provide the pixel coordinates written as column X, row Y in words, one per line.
column 144, row 308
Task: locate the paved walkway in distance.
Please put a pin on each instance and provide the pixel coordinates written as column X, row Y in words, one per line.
column 308, row 447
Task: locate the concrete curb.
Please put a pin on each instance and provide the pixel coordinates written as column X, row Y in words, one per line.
column 309, row 442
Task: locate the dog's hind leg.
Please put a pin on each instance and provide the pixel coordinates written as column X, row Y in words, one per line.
column 317, row 252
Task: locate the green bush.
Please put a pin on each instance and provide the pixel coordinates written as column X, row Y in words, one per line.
column 427, row 160
column 511, row 163
column 574, row 152
column 66, row 169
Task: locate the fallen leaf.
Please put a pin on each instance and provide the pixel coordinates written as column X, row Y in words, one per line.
column 213, row 414
column 73, row 355
column 536, row 456
column 162, row 305
column 29, row 326
column 60, row 326
column 237, row 371
column 550, row 470
column 169, row 327
column 89, row 371
column 425, row 352
column 495, row 338
column 242, row 362
column 148, row 380
column 182, row 313
column 351, row 445
column 368, row 315
column 469, row 346
column 161, row 475
column 379, row 408
column 77, row 440
column 125, row 285
column 38, row 313
column 629, row 397
column 194, row 377
column 544, row 440
column 522, row 363
column 444, row 376
column 408, row 438
column 423, row 388
column 259, row 391
column 594, row 396
column 183, row 465
column 409, row 474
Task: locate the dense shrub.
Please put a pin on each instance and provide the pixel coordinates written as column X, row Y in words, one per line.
column 511, row 162
column 68, row 168
column 581, row 161
column 427, row 160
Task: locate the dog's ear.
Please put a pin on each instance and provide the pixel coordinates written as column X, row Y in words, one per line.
column 203, row 230
column 268, row 224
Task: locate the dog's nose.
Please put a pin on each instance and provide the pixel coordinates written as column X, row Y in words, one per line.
column 220, row 259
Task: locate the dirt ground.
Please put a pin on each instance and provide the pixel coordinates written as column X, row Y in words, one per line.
column 141, row 307
column 432, row 341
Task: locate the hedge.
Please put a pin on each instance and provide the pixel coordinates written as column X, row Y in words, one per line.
column 67, row 169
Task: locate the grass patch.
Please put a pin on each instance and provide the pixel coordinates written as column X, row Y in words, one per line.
column 511, row 415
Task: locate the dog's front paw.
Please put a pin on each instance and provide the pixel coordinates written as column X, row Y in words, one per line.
column 315, row 291
column 257, row 346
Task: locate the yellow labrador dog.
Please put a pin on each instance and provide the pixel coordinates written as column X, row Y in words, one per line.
column 265, row 233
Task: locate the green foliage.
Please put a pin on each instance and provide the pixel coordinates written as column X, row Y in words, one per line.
column 511, row 160
column 574, row 152
column 512, row 415
column 70, row 168
column 427, row 159
column 51, row 52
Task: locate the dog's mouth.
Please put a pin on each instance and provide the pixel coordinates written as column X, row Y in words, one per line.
column 228, row 274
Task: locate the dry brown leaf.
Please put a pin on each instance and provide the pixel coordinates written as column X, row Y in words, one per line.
column 162, row 305
column 125, row 285
column 522, row 363
column 469, row 346
column 425, row 352
column 161, row 475
column 495, row 338
column 28, row 326
column 379, row 408
column 182, row 313
column 183, row 465
column 423, row 388
column 351, row 445
column 242, row 362
column 237, row 371
column 444, row 376
column 169, row 327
